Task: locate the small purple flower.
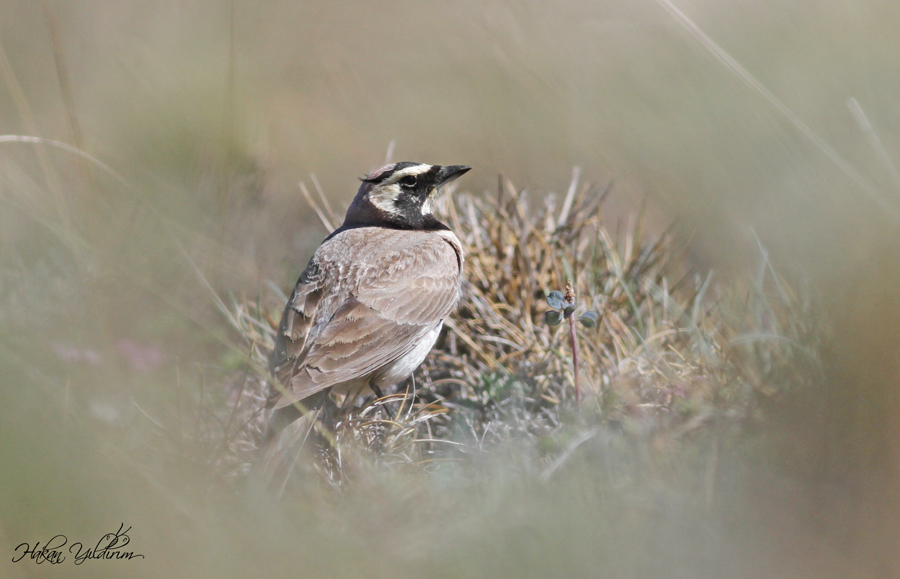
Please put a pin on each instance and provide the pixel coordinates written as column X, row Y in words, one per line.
column 141, row 358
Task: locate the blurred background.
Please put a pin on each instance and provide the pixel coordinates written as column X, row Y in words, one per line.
column 756, row 126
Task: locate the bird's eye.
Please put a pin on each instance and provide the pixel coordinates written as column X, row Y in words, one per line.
column 409, row 180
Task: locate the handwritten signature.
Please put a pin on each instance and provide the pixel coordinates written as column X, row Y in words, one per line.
column 110, row 546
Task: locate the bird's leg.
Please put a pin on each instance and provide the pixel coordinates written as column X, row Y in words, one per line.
column 379, row 394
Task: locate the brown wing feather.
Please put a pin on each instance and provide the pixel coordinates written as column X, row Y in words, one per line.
column 408, row 289
column 294, row 329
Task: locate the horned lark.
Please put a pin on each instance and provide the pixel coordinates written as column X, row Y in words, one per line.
column 371, row 302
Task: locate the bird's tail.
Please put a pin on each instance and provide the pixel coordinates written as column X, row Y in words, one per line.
column 295, row 435
column 286, row 448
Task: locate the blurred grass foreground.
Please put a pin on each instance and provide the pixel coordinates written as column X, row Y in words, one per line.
column 734, row 224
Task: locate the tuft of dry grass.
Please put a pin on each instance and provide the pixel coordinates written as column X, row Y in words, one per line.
column 673, row 350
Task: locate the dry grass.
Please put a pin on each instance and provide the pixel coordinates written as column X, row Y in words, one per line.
column 673, row 351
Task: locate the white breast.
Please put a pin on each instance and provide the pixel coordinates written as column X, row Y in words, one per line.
column 403, row 367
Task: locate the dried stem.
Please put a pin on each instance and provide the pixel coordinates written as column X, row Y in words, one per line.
column 570, row 297
column 574, row 358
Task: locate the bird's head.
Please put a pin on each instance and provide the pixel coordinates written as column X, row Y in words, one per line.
column 401, row 195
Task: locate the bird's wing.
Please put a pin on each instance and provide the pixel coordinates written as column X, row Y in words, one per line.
column 402, row 296
column 296, row 323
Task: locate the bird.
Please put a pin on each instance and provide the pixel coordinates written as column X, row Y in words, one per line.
column 373, row 298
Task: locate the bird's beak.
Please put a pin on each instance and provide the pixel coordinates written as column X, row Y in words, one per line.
column 449, row 173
